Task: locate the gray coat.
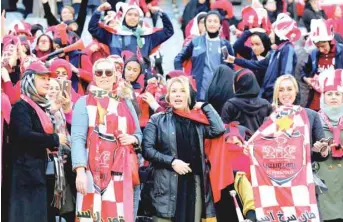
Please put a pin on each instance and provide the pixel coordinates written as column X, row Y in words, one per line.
column 159, row 147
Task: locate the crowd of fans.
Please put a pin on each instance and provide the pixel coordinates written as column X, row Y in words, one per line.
column 244, row 130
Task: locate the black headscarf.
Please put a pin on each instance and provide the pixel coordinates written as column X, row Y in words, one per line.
column 220, row 89
column 265, row 41
column 246, row 85
column 134, row 84
column 213, row 12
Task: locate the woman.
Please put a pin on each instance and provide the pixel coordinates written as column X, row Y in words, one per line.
column 260, row 47
column 330, row 170
column 134, row 74
column 246, row 107
column 62, row 70
column 105, row 133
column 281, row 61
column 280, row 153
column 173, row 143
column 31, row 134
column 206, row 52
column 60, row 184
column 44, row 46
column 192, row 9
column 312, row 11
column 131, row 34
column 67, row 16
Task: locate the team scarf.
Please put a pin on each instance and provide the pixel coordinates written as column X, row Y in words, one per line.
column 336, row 131
column 281, row 170
column 28, row 89
column 112, row 168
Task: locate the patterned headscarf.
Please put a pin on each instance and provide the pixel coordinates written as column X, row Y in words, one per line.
column 28, row 88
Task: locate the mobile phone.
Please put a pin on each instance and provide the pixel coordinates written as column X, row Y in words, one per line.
column 66, row 87
column 225, row 52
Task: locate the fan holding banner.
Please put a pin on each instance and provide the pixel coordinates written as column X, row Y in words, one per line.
column 280, row 152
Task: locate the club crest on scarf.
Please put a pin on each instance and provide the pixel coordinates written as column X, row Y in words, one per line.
column 277, row 151
column 281, row 171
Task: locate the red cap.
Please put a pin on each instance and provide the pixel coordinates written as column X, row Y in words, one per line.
column 38, row 68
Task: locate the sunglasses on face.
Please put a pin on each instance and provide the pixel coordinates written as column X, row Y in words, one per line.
column 100, row 73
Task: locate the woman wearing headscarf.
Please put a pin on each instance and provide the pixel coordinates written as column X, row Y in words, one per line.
column 246, row 107
column 280, row 61
column 132, row 34
column 31, row 135
column 331, row 169
column 220, row 88
column 105, row 135
column 206, row 52
column 174, row 143
column 260, row 47
column 193, row 8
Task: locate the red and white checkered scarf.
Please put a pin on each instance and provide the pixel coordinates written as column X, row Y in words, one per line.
column 281, row 171
column 109, row 172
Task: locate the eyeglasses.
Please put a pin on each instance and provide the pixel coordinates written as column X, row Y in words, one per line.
column 100, row 73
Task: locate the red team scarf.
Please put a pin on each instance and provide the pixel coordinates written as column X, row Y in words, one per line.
column 281, row 171
column 113, row 168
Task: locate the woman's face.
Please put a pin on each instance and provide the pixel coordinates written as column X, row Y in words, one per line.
column 66, row 14
column 44, row 43
column 132, row 17
column 178, row 97
column 11, row 55
column 257, row 45
column 287, row 92
column 201, row 26
column 104, row 75
column 132, row 71
column 42, row 84
column 270, row 5
column 54, row 89
column 333, row 98
column 212, row 23
column 62, row 73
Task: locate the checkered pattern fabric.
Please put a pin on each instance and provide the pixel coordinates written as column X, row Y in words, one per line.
column 281, row 171
column 108, row 173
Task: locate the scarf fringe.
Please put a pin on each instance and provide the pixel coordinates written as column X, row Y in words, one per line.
column 60, row 183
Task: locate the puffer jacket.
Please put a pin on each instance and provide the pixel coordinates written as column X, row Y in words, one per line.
column 159, row 147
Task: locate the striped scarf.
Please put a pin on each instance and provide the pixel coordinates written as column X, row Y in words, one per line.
column 28, row 89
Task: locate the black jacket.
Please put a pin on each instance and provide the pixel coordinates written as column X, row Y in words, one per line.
column 159, row 147
column 249, row 112
column 28, row 197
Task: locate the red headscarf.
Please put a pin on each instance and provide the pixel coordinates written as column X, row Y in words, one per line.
column 60, row 63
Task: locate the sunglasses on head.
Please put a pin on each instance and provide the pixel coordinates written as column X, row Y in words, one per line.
column 101, row 72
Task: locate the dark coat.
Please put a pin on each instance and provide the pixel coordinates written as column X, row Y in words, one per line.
column 159, row 147
column 119, row 43
column 279, row 62
column 196, row 50
column 28, row 195
column 249, row 112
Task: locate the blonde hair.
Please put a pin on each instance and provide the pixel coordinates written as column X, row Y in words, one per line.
column 70, row 8
column 184, row 81
column 277, row 87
